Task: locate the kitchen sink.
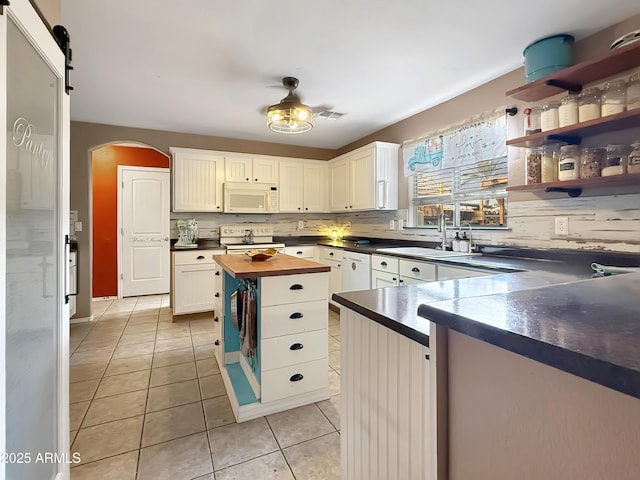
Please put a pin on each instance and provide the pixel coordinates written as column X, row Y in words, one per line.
column 423, row 252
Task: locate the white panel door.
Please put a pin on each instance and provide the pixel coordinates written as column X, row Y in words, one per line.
column 265, row 170
column 315, row 187
column 291, row 185
column 237, row 169
column 340, row 185
column 363, row 181
column 145, row 231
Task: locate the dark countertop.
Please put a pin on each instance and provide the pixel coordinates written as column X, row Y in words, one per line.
column 211, row 244
column 550, row 310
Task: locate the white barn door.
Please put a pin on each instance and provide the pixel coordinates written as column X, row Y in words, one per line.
column 144, row 229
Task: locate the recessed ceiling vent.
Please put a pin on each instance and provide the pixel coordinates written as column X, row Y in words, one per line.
column 329, row 115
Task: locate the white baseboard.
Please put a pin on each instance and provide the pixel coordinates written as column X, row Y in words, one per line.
column 82, row 319
column 97, row 299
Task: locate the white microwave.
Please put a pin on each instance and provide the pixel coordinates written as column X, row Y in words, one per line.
column 242, row 197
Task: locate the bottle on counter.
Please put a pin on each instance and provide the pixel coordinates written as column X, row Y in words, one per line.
column 614, row 97
column 589, row 104
column 615, row 162
column 569, row 162
column 549, row 116
column 550, row 159
column 465, row 244
column 455, row 243
column 532, row 120
column 534, row 166
column 591, row 162
column 633, row 91
column 568, row 110
column 633, row 164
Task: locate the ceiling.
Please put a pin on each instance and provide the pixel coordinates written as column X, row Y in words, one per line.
column 209, row 66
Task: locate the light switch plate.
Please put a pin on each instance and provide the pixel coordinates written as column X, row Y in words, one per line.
column 78, row 226
column 562, row 225
column 300, row 224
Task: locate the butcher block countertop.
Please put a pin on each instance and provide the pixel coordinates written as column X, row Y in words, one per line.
column 241, row 266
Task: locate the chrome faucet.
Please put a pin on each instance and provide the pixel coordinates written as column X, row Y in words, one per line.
column 472, row 246
column 248, row 236
column 442, row 227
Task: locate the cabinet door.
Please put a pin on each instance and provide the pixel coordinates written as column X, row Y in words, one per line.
column 238, row 169
column 315, row 187
column 265, row 170
column 363, row 178
column 335, row 279
column 340, row 185
column 386, row 186
column 291, row 185
column 410, row 281
column 193, row 288
column 197, row 181
column 383, row 279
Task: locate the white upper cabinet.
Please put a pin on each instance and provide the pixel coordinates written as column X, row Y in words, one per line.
column 365, row 179
column 197, row 179
column 303, row 186
column 251, row 170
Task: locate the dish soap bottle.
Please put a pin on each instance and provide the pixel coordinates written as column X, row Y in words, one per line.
column 464, row 243
column 455, row 243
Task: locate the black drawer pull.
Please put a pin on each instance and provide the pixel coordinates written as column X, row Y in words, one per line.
column 217, row 295
column 296, row 346
column 331, row 254
column 415, row 269
column 299, row 252
column 296, row 315
column 217, row 272
column 296, row 286
column 427, row 356
column 217, row 342
column 215, row 319
column 296, row 378
column 383, row 264
column 200, row 257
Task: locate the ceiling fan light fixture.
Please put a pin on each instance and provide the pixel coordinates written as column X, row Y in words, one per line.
column 286, row 117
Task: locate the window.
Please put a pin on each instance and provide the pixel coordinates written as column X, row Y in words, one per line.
column 473, row 193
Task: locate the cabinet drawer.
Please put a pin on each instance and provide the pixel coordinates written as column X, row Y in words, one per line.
column 195, row 257
column 293, row 349
column 417, row 270
column 286, row 319
column 385, row 264
column 331, row 254
column 303, row 251
column 294, row 288
column 294, row 380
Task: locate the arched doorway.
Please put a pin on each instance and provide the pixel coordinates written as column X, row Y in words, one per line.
column 105, row 160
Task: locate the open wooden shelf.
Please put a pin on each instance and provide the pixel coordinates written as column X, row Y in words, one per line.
column 574, row 133
column 574, row 77
column 574, row 187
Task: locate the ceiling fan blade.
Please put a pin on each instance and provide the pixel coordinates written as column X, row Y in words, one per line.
column 320, row 108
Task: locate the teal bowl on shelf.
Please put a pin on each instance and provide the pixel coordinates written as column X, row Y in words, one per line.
column 547, row 55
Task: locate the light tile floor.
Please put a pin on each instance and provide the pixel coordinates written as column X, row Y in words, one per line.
column 148, row 402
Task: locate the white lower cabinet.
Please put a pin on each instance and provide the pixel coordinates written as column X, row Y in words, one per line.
column 383, row 279
column 192, row 286
column 332, row 257
column 384, row 271
column 309, row 252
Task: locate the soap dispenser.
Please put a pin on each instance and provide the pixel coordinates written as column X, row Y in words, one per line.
column 464, row 243
column 455, row 243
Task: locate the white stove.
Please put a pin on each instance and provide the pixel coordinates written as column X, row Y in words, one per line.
column 242, row 238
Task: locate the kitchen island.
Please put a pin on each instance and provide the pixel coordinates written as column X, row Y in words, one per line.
column 533, row 374
column 273, row 353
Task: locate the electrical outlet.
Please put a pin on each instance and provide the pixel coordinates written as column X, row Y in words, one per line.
column 300, row 224
column 562, row 225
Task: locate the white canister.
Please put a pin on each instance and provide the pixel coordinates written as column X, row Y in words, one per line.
column 549, row 116
column 568, row 166
column 589, row 104
column 568, row 111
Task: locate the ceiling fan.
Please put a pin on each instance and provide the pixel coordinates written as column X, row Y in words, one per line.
column 291, row 115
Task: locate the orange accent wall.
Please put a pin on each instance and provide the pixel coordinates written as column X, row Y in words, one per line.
column 104, row 189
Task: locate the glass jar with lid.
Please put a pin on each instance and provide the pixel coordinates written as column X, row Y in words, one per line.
column 589, row 104
column 615, row 162
column 550, row 158
column 534, row 166
column 568, row 110
column 568, row 164
column 633, row 165
column 591, row 162
column 549, row 116
column 633, row 91
column 614, row 97
column 532, row 120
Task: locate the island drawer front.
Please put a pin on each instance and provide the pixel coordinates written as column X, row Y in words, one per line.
column 331, row 253
column 195, row 257
column 417, row 270
column 293, row 349
column 303, row 251
column 286, row 319
column 280, row 383
column 303, row 287
column 385, row 264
